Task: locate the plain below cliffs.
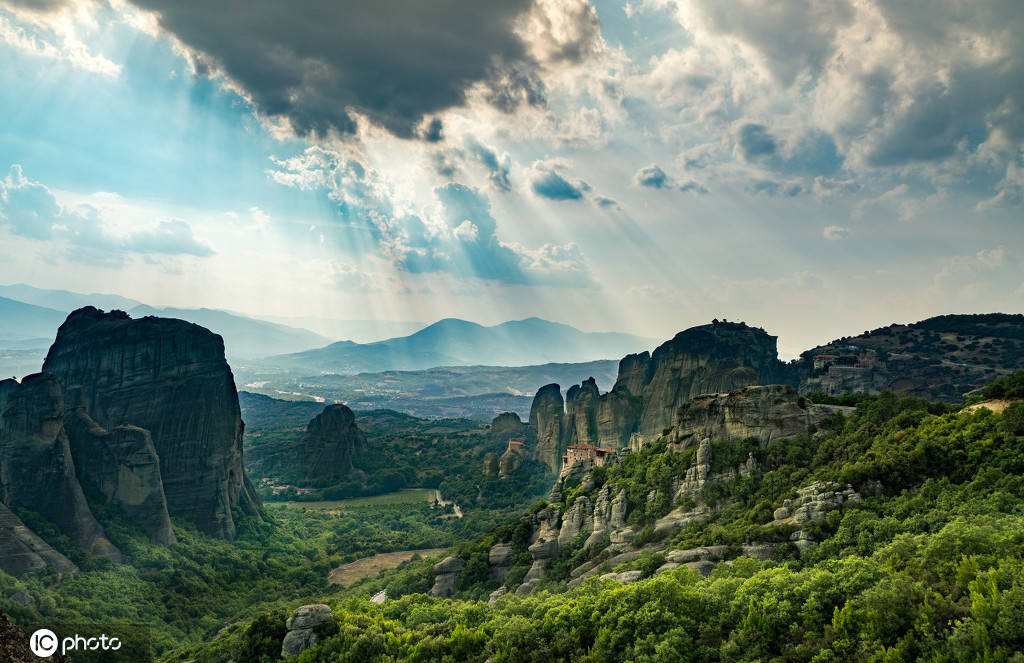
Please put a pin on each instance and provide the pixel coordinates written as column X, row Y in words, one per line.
column 651, row 387
column 169, row 378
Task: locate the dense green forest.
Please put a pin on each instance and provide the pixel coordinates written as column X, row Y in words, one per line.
column 928, row 566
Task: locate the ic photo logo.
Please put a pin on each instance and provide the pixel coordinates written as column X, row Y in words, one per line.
column 45, row 642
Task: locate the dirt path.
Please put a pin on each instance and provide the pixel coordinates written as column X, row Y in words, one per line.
column 346, row 574
column 441, row 502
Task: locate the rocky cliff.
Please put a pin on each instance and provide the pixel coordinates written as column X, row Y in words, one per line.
column 170, row 378
column 324, row 452
column 546, row 415
column 651, row 387
column 37, row 469
column 769, row 413
column 122, row 467
column 331, row 441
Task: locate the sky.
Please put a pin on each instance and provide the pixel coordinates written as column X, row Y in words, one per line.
column 814, row 167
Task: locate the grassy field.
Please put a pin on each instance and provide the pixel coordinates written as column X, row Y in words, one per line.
column 407, row 496
column 346, row 574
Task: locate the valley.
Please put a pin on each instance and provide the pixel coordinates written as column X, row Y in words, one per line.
column 690, row 473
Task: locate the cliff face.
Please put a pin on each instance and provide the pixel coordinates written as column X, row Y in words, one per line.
column 21, row 550
column 37, row 470
column 651, row 387
column 331, row 440
column 768, row 413
column 546, row 415
column 170, row 378
column 121, row 465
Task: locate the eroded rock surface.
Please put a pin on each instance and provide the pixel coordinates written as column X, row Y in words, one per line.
column 169, row 377
column 446, row 577
column 121, row 465
column 37, row 470
column 302, row 626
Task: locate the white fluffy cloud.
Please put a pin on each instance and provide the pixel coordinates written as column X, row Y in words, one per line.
column 29, row 209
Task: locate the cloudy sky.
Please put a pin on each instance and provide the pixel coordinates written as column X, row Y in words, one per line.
column 817, row 167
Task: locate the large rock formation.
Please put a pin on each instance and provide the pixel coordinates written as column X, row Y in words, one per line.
column 447, row 573
column 769, row 413
column 651, row 387
column 546, row 415
column 331, row 441
column 324, row 453
column 122, row 466
column 580, row 423
column 170, row 378
column 37, row 470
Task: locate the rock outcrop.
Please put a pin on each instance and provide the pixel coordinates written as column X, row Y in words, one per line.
column 122, row 466
column 302, row 626
column 331, row 441
column 37, row 470
column 22, row 551
column 546, row 415
column 170, row 378
column 507, row 426
column 510, row 461
column 651, row 387
column 447, row 573
column 768, row 413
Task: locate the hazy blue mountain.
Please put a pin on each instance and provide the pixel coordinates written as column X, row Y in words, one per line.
column 454, row 342
column 63, row 300
column 360, row 331
column 243, row 337
column 20, row 321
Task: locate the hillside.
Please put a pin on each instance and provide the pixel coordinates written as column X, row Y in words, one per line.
column 889, row 532
column 453, row 342
column 20, row 321
column 940, row 358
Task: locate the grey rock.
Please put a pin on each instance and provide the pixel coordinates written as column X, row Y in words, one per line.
column 546, row 415
column 446, row 577
column 170, row 378
column 21, row 550
column 301, row 624
column 123, row 466
column 694, row 554
column 37, row 469
column 705, row 567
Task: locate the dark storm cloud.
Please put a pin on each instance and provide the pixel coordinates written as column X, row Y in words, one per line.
column 395, row 61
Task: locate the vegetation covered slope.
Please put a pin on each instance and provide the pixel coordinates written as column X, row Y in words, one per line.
column 928, row 566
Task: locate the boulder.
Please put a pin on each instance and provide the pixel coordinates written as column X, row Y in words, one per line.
column 500, row 560
column 446, row 577
column 301, row 627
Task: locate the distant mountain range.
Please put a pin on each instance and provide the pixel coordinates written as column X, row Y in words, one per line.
column 29, row 318
column 20, row 321
column 244, row 337
column 454, row 342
